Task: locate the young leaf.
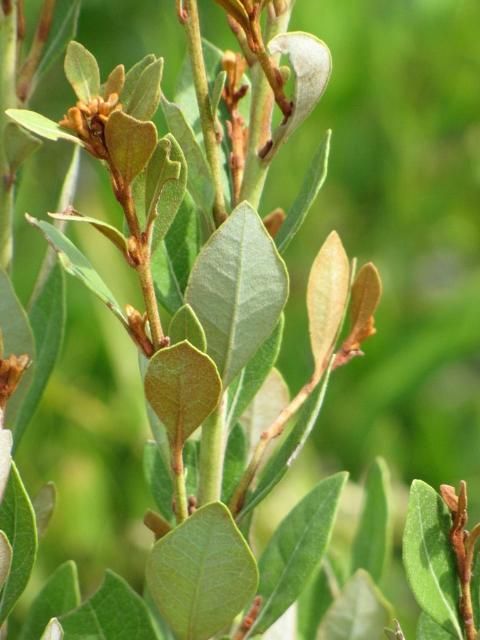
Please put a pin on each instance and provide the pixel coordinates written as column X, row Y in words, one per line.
column 133, row 75
column 19, row 145
column 238, row 288
column 428, row 558
column 40, row 125
column 296, row 550
column 183, row 387
column 360, row 613
column 327, row 295
column 17, row 340
column 114, row 612
column 76, row 264
column 5, row 558
column 59, row 595
column 235, row 461
column 186, row 326
column 130, row 143
column 312, row 184
column 81, row 69
column 145, row 98
column 44, row 506
column 214, row 576
column 372, row 543
column 247, row 384
column 115, row 81
column 107, row 230
column 312, row 64
column 64, row 28
column 53, row 631
column 427, row 629
column 6, row 442
column 17, row 521
column 159, row 480
column 284, row 456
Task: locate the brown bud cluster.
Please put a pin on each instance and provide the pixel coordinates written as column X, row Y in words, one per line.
column 88, row 121
column 11, row 372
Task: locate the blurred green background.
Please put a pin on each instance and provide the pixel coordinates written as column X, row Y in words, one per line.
column 403, row 191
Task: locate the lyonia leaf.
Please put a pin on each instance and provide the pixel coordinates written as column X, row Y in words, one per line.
column 114, row 612
column 59, row 595
column 327, row 295
column 132, row 76
column 296, row 550
column 115, row 81
column 202, row 574
column 428, row 629
column 235, row 460
column 109, row 231
column 17, row 340
column 312, row 184
column 6, row 442
column 315, row 600
column 75, row 263
column 157, row 475
column 372, row 543
column 186, row 326
column 250, row 289
column 366, row 294
column 40, row 125
column 312, row 64
column 81, row 69
column 53, row 631
column 183, row 387
column 428, row 557
column 360, row 613
column 145, row 98
column 5, row 558
column 17, row 521
column 19, row 145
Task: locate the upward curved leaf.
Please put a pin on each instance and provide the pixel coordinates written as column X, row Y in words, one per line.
column 312, row 64
column 428, row 557
column 238, row 288
column 81, row 69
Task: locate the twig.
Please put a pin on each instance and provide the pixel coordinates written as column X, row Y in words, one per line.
column 249, row 620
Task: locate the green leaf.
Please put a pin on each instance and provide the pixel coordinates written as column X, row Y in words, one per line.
column 114, row 612
column 186, row 326
column 145, row 97
column 312, row 64
column 133, row 75
column 199, row 175
column 428, row 629
column 53, row 631
column 173, row 259
column 214, row 576
column 130, row 143
column 40, row 125
column 44, row 506
column 64, row 28
column 372, row 543
column 6, row 442
column 165, row 184
column 17, row 520
column 59, row 595
column 315, row 601
column 183, row 387
column 115, row 81
column 360, row 613
column 238, row 288
column 327, row 296
column 428, row 557
column 284, row 456
column 76, row 264
column 246, row 385
column 17, row 340
column 296, row 550
column 47, row 318
column 19, row 145
column 5, row 558
column 313, row 182
column 159, row 480
column 234, row 462
column 81, row 69
column 112, row 233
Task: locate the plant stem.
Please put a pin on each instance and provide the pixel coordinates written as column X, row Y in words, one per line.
column 261, row 108
column 207, row 119
column 8, row 61
column 181, row 503
column 211, row 456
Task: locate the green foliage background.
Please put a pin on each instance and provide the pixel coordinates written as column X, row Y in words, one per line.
column 403, row 190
